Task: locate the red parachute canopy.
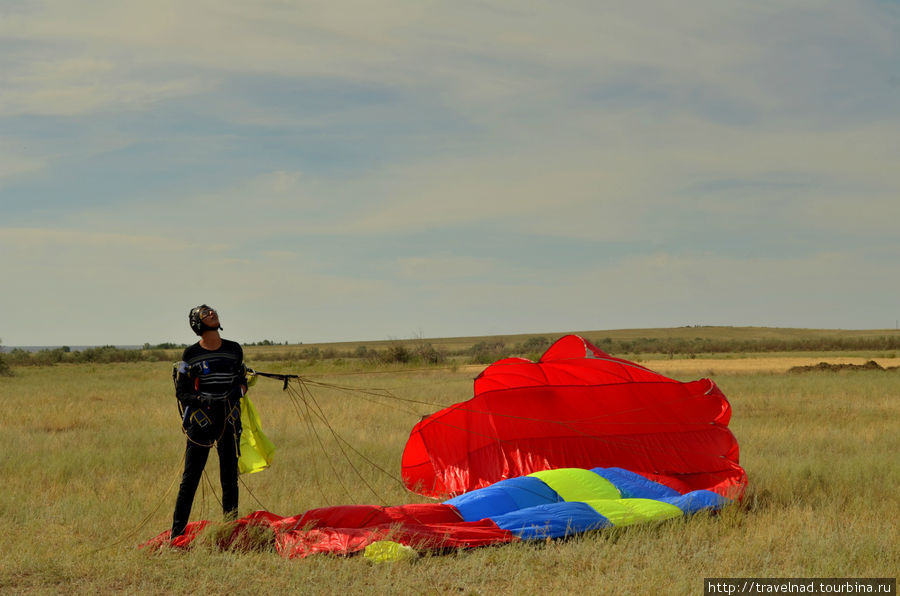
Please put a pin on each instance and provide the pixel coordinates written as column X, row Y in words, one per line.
column 577, row 407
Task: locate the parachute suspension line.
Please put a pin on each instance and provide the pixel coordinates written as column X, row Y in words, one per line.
column 361, row 455
column 341, row 440
column 204, row 508
column 250, row 492
column 140, row 526
column 309, row 410
column 212, row 489
column 314, row 408
column 302, row 410
column 204, row 512
column 369, row 395
column 365, row 394
column 298, row 398
column 306, row 382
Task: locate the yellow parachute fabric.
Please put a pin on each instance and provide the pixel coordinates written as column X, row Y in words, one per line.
column 256, row 448
column 387, row 551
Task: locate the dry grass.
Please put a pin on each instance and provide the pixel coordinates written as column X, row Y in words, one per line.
column 92, row 451
column 719, row 335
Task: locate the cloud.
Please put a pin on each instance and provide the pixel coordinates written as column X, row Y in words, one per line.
column 339, row 171
column 111, row 287
column 73, row 86
column 444, row 269
column 662, row 289
column 483, row 59
column 15, row 161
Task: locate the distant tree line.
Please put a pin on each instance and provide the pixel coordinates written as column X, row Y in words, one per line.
column 421, row 352
column 487, row 351
column 101, row 354
column 164, row 346
column 491, row 350
column 703, row 345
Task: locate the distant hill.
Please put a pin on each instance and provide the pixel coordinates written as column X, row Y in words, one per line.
column 682, row 340
column 688, row 341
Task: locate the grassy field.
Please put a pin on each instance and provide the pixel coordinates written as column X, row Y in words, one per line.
column 93, row 451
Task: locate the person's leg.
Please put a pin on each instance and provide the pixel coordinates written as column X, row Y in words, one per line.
column 195, row 457
column 228, row 472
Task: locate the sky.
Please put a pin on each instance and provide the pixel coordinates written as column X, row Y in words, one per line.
column 351, row 171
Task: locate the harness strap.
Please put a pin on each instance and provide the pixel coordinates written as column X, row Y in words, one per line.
column 285, row 378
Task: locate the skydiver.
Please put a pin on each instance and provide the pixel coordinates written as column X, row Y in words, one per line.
column 209, row 383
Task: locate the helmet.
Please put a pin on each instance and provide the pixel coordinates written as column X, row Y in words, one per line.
column 195, row 318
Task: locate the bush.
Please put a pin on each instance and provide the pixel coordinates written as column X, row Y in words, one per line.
column 486, row 352
column 99, row 355
column 396, row 353
column 429, row 355
column 5, row 371
column 535, row 344
column 164, row 346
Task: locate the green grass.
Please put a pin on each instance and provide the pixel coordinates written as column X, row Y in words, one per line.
column 92, row 451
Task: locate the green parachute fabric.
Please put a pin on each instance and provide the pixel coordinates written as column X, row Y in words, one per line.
column 256, row 448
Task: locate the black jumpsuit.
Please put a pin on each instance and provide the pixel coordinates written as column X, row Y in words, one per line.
column 207, row 385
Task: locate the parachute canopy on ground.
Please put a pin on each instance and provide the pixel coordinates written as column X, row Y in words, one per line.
column 576, row 407
column 549, row 504
column 575, row 442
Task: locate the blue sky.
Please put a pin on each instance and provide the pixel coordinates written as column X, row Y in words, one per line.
column 325, row 171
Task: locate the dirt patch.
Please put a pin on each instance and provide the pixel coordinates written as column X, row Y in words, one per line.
column 706, row 367
column 829, row 367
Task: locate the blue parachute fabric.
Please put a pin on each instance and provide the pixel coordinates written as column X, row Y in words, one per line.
column 697, row 500
column 635, row 486
column 512, row 494
column 556, row 520
column 562, row 502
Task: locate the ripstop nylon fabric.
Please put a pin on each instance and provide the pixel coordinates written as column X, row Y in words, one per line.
column 576, row 407
column 550, row 504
